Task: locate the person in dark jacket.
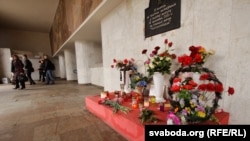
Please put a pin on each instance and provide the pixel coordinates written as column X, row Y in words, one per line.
column 49, row 70
column 41, row 70
column 28, row 69
column 18, row 71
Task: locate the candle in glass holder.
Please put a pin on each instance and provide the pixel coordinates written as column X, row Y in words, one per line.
column 146, row 102
column 152, row 99
column 103, row 95
column 162, row 107
column 140, row 105
column 134, row 103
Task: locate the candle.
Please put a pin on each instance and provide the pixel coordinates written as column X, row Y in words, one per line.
column 162, row 107
column 134, row 103
column 140, row 106
column 152, row 99
column 146, row 102
column 103, row 95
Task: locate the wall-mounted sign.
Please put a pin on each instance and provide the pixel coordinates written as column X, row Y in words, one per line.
column 162, row 16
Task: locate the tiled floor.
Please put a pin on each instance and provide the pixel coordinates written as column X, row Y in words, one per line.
column 51, row 113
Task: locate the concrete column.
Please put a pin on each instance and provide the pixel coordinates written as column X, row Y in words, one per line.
column 70, row 64
column 62, row 70
column 88, row 55
column 5, row 63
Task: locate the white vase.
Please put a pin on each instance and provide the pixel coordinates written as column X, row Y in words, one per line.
column 158, row 80
column 125, row 79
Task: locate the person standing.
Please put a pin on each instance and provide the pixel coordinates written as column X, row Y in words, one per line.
column 18, row 71
column 28, row 69
column 41, row 70
column 49, row 70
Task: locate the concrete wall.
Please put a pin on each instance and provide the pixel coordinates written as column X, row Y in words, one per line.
column 97, row 77
column 222, row 25
column 70, row 64
column 88, row 55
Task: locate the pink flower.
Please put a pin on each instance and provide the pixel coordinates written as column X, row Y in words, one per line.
column 174, row 118
column 147, row 61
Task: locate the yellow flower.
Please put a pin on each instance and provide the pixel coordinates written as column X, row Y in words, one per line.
column 202, row 50
column 137, row 78
column 192, row 104
column 201, row 114
column 176, row 109
column 188, row 109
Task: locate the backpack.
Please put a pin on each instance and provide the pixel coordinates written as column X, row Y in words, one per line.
column 53, row 66
column 49, row 65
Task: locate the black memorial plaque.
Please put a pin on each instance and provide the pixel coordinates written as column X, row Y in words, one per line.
column 162, row 16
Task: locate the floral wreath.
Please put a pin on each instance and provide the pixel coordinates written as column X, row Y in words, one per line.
column 194, row 90
column 188, row 84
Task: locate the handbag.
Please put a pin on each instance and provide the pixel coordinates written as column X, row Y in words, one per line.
column 22, row 78
column 32, row 69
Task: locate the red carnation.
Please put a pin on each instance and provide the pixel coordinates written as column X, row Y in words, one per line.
column 202, row 87
column 166, row 41
column 170, row 44
column 230, row 90
column 185, row 60
column 188, row 87
column 192, row 48
column 191, row 82
column 125, row 61
column 198, row 58
column 219, row 88
column 162, row 54
column 154, row 52
column 204, row 76
column 144, row 51
column 173, row 56
column 157, row 48
column 101, row 101
column 176, row 80
column 175, row 88
column 210, row 87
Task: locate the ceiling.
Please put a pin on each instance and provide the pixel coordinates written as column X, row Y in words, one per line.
column 38, row 16
column 29, row 15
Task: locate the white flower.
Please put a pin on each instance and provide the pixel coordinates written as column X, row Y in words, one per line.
column 211, row 52
column 168, row 59
column 151, row 65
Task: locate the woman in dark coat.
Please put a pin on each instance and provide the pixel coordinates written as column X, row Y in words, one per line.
column 28, row 69
column 18, row 71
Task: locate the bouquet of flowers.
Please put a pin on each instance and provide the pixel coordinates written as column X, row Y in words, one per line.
column 139, row 80
column 194, row 90
column 159, row 62
column 125, row 64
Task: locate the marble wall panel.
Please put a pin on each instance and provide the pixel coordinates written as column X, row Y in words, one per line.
column 69, row 16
